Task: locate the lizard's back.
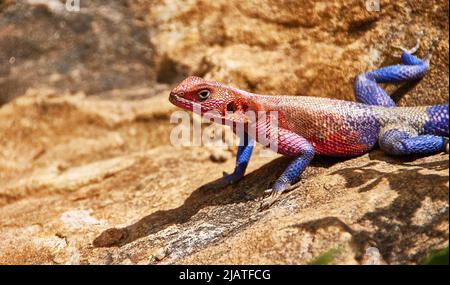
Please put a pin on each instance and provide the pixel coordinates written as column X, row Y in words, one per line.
column 345, row 128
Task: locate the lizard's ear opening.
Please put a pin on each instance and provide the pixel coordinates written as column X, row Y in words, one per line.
column 230, row 107
column 238, row 112
column 240, row 107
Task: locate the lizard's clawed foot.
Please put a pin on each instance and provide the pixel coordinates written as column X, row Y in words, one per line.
column 273, row 195
column 269, row 200
column 223, row 182
column 433, row 45
column 411, row 50
column 219, row 184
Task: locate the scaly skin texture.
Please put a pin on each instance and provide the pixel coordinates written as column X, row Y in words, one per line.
column 308, row 125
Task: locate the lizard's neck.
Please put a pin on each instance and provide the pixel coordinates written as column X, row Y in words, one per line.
column 255, row 102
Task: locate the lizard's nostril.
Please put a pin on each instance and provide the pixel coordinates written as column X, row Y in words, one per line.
column 176, row 93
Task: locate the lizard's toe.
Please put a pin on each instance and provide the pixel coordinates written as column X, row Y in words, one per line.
column 274, row 193
column 268, row 191
column 411, row 50
column 267, row 202
column 223, row 182
column 218, row 184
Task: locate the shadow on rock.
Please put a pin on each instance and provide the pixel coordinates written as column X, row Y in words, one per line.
column 395, row 227
column 250, row 189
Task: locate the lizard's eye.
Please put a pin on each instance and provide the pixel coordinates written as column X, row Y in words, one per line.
column 204, row 94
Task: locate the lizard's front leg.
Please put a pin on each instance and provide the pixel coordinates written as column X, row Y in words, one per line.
column 244, row 153
column 290, row 144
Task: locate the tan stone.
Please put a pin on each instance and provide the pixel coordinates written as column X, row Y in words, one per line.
column 88, row 174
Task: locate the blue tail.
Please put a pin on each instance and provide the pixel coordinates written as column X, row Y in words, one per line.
column 437, row 123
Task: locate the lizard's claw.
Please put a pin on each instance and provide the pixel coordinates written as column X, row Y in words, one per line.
column 433, row 45
column 268, row 201
column 272, row 195
column 268, row 191
column 411, row 50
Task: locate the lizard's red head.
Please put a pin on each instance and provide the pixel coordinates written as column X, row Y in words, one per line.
column 209, row 96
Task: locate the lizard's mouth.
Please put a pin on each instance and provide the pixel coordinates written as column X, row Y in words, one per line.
column 180, row 101
column 188, row 104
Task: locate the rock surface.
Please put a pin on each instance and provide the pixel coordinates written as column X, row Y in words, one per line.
column 88, row 174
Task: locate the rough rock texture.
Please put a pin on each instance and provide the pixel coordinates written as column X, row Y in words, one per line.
column 87, row 171
column 96, row 50
column 298, row 47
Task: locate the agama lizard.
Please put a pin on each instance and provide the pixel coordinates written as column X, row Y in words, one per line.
column 323, row 126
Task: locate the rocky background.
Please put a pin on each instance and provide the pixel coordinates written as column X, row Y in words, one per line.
column 87, row 172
